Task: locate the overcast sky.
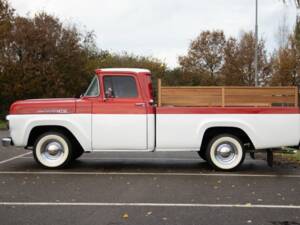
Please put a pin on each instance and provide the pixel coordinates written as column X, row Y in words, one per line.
column 162, row 28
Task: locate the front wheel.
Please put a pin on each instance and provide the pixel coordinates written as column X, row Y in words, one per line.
column 202, row 155
column 225, row 152
column 53, row 150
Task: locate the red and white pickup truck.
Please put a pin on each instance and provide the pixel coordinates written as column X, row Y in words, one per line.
column 117, row 113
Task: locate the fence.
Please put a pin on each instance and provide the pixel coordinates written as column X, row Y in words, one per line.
column 227, row 96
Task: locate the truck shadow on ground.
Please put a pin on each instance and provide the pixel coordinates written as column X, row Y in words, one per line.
column 142, row 166
column 200, row 166
column 285, row 223
column 148, row 166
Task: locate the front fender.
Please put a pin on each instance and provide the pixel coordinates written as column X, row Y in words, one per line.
column 78, row 125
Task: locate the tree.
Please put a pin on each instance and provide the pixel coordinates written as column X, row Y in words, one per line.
column 205, row 56
column 246, row 60
column 218, row 61
column 6, row 15
column 6, row 22
column 178, row 77
column 232, row 69
column 47, row 58
column 286, row 66
column 43, row 58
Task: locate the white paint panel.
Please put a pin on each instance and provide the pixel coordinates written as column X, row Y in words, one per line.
column 174, row 132
column 119, row 132
column 78, row 124
column 128, row 70
column 185, row 131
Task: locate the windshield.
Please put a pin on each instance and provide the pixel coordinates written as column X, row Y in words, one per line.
column 93, row 89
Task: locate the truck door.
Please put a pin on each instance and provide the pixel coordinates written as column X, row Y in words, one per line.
column 119, row 121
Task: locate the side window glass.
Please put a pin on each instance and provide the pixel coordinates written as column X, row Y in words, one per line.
column 120, row 87
column 93, row 90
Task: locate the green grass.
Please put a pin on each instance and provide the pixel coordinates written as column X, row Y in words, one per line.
column 291, row 154
column 297, row 156
column 2, row 124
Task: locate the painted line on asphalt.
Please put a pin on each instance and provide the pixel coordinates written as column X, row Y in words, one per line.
column 148, row 174
column 15, row 157
column 196, row 205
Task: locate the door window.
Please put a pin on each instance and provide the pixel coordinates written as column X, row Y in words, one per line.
column 120, row 87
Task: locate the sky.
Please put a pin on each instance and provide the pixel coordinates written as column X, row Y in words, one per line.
column 163, row 28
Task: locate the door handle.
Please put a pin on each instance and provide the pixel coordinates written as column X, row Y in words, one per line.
column 140, row 104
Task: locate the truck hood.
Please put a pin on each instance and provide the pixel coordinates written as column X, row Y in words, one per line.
column 44, row 106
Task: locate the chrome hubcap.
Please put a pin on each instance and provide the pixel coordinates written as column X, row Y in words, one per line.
column 225, row 153
column 53, row 150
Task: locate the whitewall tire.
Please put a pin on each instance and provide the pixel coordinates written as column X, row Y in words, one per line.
column 225, row 152
column 53, row 150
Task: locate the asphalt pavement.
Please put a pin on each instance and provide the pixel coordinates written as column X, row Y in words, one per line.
column 145, row 188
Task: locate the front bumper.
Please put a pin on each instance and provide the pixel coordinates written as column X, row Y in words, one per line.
column 7, row 142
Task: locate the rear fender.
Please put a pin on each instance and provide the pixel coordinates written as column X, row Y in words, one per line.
column 247, row 128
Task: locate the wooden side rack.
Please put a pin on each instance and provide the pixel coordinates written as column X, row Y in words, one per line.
column 227, row 96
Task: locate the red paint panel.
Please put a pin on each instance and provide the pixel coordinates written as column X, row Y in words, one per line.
column 113, row 106
column 84, row 106
column 118, row 106
column 43, row 106
column 235, row 110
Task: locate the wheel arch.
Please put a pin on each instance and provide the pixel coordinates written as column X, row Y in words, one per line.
column 211, row 132
column 39, row 130
column 79, row 127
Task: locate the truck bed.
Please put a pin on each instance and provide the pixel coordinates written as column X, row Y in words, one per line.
column 268, row 127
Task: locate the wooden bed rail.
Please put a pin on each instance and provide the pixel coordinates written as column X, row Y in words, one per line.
column 227, row 96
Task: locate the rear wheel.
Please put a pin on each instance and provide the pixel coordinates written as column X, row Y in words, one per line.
column 225, row 152
column 53, row 150
column 78, row 153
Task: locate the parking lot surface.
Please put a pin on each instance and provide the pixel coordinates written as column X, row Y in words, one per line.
column 145, row 188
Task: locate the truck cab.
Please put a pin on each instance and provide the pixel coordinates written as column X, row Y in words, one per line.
column 121, row 109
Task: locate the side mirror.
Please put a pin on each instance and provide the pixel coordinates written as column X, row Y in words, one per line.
column 78, row 96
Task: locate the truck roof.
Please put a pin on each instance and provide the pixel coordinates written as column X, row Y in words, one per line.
column 130, row 70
